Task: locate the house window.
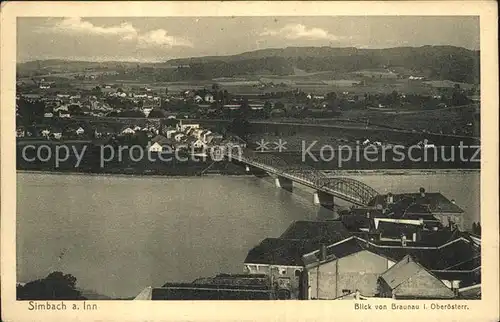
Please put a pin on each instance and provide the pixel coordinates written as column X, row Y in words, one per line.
column 297, row 273
column 282, row 271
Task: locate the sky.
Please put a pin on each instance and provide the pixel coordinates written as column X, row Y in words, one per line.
column 159, row 39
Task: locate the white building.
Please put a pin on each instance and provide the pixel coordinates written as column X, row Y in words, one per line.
column 209, row 98
column 128, row 131
column 80, row 131
column 57, row 135
column 198, row 99
column 171, row 133
column 179, row 137
column 156, row 147
column 199, row 144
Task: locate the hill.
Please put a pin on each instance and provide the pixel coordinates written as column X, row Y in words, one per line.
column 435, row 62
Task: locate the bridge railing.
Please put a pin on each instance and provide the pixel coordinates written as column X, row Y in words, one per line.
column 345, row 188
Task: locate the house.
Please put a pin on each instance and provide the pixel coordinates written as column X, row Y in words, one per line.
column 279, row 258
column 199, row 144
column 196, row 133
column 184, row 127
column 160, row 144
column 63, row 108
column 356, row 295
column 421, row 204
column 56, row 134
column 199, row 292
column 326, row 231
column 64, row 115
column 342, row 267
column 45, row 133
column 220, row 287
column 79, row 131
column 209, row 98
column 156, row 147
column 205, row 135
column 470, row 292
column 198, row 99
column 170, row 133
column 407, row 279
column 20, row 132
column 48, row 114
column 179, row 137
column 128, row 130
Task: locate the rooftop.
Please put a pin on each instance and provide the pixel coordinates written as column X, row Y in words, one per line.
column 401, row 271
column 433, row 201
column 193, row 292
column 331, row 230
column 422, row 283
column 278, row 251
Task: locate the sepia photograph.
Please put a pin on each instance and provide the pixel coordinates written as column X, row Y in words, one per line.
column 248, row 158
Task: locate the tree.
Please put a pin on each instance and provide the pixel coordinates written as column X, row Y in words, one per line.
column 156, row 114
column 279, row 105
column 96, row 91
column 56, row 286
column 245, row 108
column 241, row 127
column 30, row 111
column 268, row 107
column 226, row 97
column 331, row 97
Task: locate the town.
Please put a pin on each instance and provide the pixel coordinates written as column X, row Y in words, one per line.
column 404, row 246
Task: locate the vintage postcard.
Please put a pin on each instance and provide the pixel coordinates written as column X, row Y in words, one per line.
column 185, row 161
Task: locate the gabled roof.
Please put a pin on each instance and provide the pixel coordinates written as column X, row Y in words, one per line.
column 339, row 249
column 189, row 291
column 401, row 271
column 409, row 279
column 470, row 292
column 435, row 201
column 333, row 230
column 277, row 251
column 160, row 139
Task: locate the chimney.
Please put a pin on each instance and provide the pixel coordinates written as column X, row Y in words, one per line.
column 322, row 255
column 422, row 192
column 390, row 198
column 403, row 240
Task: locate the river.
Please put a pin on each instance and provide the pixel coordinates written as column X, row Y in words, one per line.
column 119, row 234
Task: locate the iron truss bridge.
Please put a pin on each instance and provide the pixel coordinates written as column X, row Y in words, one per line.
column 353, row 191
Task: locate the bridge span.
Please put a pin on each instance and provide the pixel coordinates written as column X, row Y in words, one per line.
column 327, row 187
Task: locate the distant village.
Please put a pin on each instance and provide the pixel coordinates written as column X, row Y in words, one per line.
column 403, row 246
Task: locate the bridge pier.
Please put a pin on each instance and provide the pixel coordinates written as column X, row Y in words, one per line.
column 323, row 199
column 284, row 183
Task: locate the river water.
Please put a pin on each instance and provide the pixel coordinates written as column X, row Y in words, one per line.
column 118, row 235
